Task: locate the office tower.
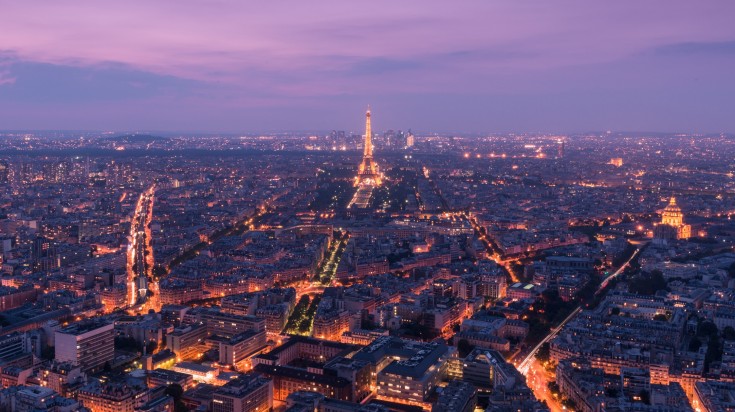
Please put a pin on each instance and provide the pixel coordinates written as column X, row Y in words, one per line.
column 410, row 140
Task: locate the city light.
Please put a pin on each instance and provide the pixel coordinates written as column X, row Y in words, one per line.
column 200, row 211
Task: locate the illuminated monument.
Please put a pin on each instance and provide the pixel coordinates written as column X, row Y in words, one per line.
column 672, row 224
column 368, row 174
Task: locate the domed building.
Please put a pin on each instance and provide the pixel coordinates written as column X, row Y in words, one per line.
column 672, row 224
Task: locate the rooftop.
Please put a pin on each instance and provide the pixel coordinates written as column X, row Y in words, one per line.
column 81, row 328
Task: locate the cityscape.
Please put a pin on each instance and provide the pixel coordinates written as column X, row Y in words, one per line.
column 378, row 264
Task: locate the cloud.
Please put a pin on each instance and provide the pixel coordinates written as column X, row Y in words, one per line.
column 6, row 76
column 223, row 58
column 45, row 83
column 715, row 48
column 199, row 41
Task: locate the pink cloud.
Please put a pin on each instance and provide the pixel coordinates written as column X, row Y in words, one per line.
column 487, row 63
column 298, row 47
column 6, row 77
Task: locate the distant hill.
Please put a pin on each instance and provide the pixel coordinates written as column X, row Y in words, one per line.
column 138, row 139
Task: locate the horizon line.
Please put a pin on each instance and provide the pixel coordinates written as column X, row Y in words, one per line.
column 419, row 133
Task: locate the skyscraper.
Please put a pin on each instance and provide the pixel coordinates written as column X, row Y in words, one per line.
column 560, row 149
column 409, row 139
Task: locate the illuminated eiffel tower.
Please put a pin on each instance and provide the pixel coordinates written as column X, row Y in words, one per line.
column 368, row 173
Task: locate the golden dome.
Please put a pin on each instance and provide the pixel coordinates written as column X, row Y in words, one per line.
column 672, row 214
column 672, row 206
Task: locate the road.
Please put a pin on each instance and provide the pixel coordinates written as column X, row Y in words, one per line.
column 238, row 228
column 329, row 266
column 530, row 368
column 140, row 254
column 537, row 379
column 326, row 272
column 492, row 253
column 526, row 362
column 607, row 280
column 523, row 366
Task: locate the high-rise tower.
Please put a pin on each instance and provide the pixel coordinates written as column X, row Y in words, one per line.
column 368, row 172
column 560, row 146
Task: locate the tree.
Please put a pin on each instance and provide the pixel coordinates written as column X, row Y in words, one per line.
column 694, row 345
column 553, row 387
column 464, row 348
column 714, row 346
column 175, row 391
column 517, row 269
column 544, row 352
column 304, row 325
column 728, row 333
column 714, row 352
column 623, row 257
column 554, row 308
column 126, row 343
column 707, row 328
column 648, row 283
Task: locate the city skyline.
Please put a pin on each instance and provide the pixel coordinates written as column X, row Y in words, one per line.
column 377, row 207
column 476, row 67
column 180, row 273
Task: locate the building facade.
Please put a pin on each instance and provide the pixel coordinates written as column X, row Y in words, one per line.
column 90, row 345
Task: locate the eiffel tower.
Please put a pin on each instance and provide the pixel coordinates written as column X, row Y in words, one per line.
column 368, row 173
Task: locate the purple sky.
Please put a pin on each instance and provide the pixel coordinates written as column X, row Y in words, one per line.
column 236, row 66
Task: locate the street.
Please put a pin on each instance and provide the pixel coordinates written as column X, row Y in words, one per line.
column 140, row 254
column 536, row 375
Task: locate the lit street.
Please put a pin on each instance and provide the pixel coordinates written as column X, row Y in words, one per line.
column 529, row 366
column 140, row 255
